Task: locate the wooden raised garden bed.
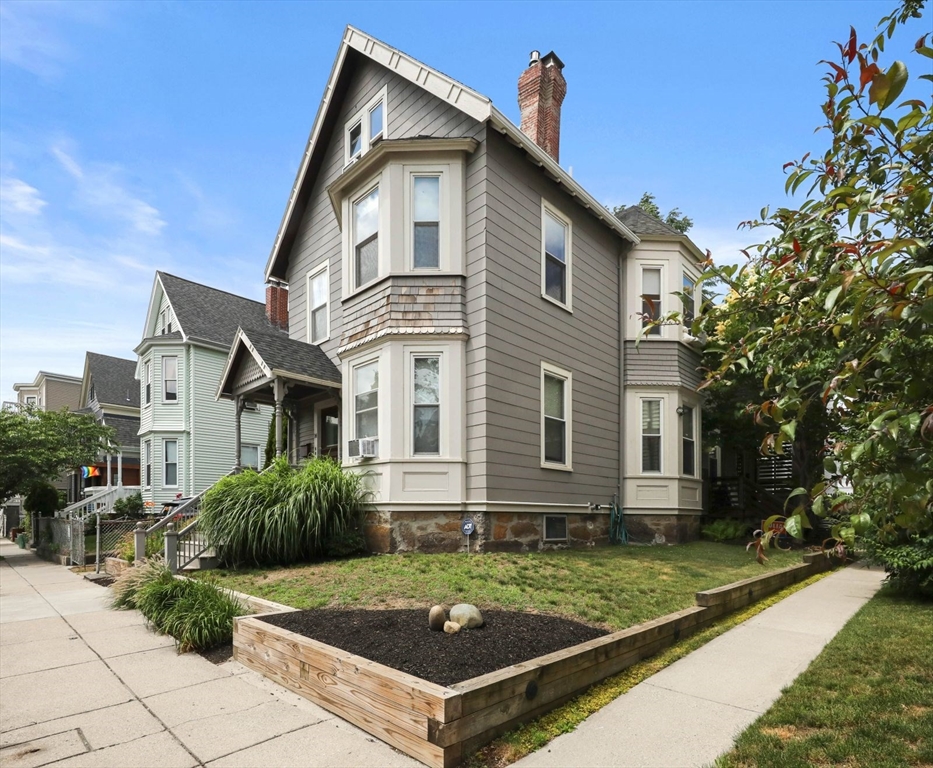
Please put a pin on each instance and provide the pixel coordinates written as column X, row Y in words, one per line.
column 439, row 725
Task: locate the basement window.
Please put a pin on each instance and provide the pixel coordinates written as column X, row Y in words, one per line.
column 555, row 528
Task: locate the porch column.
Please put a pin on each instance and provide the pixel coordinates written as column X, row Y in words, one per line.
column 278, row 388
column 109, row 476
column 120, row 469
column 240, row 403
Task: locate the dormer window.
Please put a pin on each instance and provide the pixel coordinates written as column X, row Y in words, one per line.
column 427, row 217
column 365, row 128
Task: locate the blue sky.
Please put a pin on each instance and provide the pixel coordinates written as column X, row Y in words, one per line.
column 163, row 135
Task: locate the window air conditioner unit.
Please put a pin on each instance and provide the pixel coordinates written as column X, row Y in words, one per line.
column 365, row 448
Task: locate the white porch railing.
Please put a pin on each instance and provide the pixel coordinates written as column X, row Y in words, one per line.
column 101, row 502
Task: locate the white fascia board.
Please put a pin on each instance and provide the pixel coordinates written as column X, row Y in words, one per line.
column 157, row 290
column 558, row 174
column 240, row 338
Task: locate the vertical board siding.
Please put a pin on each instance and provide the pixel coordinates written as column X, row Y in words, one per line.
column 523, row 329
column 213, row 446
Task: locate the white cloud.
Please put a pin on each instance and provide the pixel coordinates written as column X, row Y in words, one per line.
column 19, row 197
column 100, row 191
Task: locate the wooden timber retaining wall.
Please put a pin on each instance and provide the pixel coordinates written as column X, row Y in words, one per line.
column 439, row 725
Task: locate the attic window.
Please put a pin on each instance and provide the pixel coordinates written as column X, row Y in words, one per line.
column 365, row 127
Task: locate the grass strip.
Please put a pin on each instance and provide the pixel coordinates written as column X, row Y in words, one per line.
column 532, row 736
column 866, row 700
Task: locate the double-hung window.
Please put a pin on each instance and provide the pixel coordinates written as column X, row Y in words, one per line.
column 148, row 383
column 147, row 449
column 365, row 128
column 556, row 439
column 555, row 256
column 31, row 400
column 426, row 191
column 650, row 435
column 689, row 299
column 651, row 298
column 366, row 400
column 170, row 463
column 426, row 406
column 689, row 442
column 366, row 238
column 317, row 306
column 169, row 379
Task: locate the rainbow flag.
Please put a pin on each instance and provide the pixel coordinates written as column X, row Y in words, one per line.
column 90, row 472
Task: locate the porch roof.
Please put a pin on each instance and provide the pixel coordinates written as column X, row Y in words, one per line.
column 277, row 356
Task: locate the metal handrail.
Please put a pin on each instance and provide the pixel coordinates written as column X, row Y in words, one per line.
column 191, row 544
column 182, row 509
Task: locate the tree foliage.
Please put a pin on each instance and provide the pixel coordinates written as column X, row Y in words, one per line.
column 833, row 315
column 674, row 217
column 42, row 499
column 37, row 446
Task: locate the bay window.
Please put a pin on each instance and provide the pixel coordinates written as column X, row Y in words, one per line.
column 650, row 435
column 689, row 442
column 366, row 400
column 426, row 191
column 651, row 299
column 689, row 299
column 366, row 238
column 426, row 406
column 170, row 463
column 169, row 379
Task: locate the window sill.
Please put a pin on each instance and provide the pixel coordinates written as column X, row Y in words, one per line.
column 558, row 467
column 556, row 303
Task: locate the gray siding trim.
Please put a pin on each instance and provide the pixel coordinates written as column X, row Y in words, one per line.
column 656, row 362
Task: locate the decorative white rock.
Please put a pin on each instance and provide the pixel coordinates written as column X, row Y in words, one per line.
column 437, row 617
column 466, row 615
column 451, row 627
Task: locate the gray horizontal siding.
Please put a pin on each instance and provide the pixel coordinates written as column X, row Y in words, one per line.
column 662, row 363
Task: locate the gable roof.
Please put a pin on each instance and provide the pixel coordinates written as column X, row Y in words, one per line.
column 470, row 102
column 209, row 314
column 278, row 355
column 113, row 380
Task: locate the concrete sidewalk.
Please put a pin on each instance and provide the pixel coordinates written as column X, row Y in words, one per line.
column 689, row 713
column 87, row 687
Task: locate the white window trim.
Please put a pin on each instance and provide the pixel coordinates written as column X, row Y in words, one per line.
column 325, row 268
column 352, row 200
column 147, row 384
column 441, row 433
column 683, row 439
column 165, row 462
column 694, row 285
column 442, row 217
column 546, row 207
column 362, row 117
column 661, row 268
column 567, row 376
column 147, row 464
column 250, row 445
column 380, row 405
column 641, row 435
column 32, row 400
column 544, row 535
column 165, row 400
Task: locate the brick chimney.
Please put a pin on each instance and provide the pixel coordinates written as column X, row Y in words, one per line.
column 277, row 305
column 541, row 91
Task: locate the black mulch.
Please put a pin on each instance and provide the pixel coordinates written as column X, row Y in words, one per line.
column 219, row 653
column 402, row 640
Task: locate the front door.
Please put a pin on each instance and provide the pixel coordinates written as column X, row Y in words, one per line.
column 329, row 432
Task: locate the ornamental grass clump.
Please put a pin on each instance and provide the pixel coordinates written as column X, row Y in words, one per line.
column 283, row 515
column 125, row 590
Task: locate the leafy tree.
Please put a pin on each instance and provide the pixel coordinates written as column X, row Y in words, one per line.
column 833, row 315
column 674, row 217
column 42, row 499
column 37, row 446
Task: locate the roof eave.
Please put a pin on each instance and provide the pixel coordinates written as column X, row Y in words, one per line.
column 682, row 239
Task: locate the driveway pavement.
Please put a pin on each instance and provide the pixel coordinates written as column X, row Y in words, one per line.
column 82, row 686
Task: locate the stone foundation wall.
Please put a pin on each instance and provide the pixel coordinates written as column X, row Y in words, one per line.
column 495, row 532
column 662, row 529
column 116, row 566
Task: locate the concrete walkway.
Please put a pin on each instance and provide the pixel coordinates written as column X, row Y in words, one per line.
column 82, row 686
column 690, row 713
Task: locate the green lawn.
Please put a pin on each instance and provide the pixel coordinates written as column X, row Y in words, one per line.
column 867, row 700
column 615, row 587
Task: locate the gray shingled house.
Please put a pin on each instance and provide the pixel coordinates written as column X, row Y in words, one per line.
column 462, row 317
column 187, row 438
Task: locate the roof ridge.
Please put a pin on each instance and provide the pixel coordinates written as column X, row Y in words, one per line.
column 208, row 287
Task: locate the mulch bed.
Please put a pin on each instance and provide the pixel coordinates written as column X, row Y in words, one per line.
column 219, row 653
column 402, row 640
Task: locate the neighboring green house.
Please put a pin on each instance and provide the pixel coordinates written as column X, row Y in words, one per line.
column 186, row 435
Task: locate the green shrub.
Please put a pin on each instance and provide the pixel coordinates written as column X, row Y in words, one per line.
column 346, row 544
column 283, row 515
column 155, row 545
column 202, row 616
column 725, row 530
column 908, row 563
column 124, row 590
column 129, row 506
column 42, row 499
